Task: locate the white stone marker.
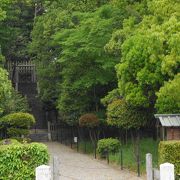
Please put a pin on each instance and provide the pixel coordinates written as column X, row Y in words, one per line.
column 149, row 168
column 56, row 166
column 167, row 171
column 75, row 139
column 43, row 173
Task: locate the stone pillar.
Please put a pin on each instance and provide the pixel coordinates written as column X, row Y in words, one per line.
column 149, row 168
column 43, row 172
column 167, row 171
column 49, row 131
column 56, row 170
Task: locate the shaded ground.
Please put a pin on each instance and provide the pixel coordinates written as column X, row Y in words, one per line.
column 76, row 166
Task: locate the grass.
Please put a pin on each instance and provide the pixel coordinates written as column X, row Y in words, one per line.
column 147, row 145
column 86, row 147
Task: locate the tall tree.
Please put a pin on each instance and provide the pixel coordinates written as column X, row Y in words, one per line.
column 15, row 29
column 58, row 17
column 149, row 53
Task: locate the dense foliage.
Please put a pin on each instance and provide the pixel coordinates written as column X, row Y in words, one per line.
column 80, row 43
column 108, row 145
column 18, row 161
column 84, row 49
column 168, row 97
column 5, row 90
column 169, row 151
column 123, row 115
column 15, row 29
column 10, row 100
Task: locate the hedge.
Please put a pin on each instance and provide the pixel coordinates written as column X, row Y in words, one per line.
column 108, row 145
column 169, row 151
column 19, row 161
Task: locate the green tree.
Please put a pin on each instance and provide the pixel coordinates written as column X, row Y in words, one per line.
column 149, row 52
column 15, row 29
column 5, row 90
column 10, row 100
column 57, row 37
column 87, row 70
column 168, row 100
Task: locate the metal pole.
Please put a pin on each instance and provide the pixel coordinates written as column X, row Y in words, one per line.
column 77, row 144
column 138, row 165
column 138, row 153
column 108, row 157
column 121, row 154
column 95, row 150
column 71, row 138
column 85, row 146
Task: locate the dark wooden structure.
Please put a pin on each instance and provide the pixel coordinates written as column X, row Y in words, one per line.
column 168, row 126
column 23, row 77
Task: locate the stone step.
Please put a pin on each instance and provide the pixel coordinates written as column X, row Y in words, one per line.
column 39, row 135
column 38, row 131
column 42, row 137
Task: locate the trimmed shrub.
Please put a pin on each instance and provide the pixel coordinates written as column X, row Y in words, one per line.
column 22, row 120
column 17, row 124
column 108, row 145
column 19, row 161
column 169, row 151
column 89, row 120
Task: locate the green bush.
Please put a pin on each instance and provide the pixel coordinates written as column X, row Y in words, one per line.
column 19, row 161
column 109, row 145
column 17, row 124
column 22, row 120
column 169, row 151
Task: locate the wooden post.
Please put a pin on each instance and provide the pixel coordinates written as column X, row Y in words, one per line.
column 149, row 168
column 43, row 172
column 163, row 133
column 167, row 171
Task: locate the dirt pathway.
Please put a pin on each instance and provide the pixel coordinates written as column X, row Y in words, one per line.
column 76, row 166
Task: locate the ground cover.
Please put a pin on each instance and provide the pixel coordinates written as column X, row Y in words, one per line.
column 147, row 145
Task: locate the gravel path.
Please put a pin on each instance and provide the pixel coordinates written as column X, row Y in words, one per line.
column 76, row 166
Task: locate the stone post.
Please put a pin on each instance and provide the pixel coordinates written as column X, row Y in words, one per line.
column 56, row 170
column 149, row 168
column 49, row 131
column 43, row 172
column 167, row 171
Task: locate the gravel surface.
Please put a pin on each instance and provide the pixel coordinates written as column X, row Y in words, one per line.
column 75, row 166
